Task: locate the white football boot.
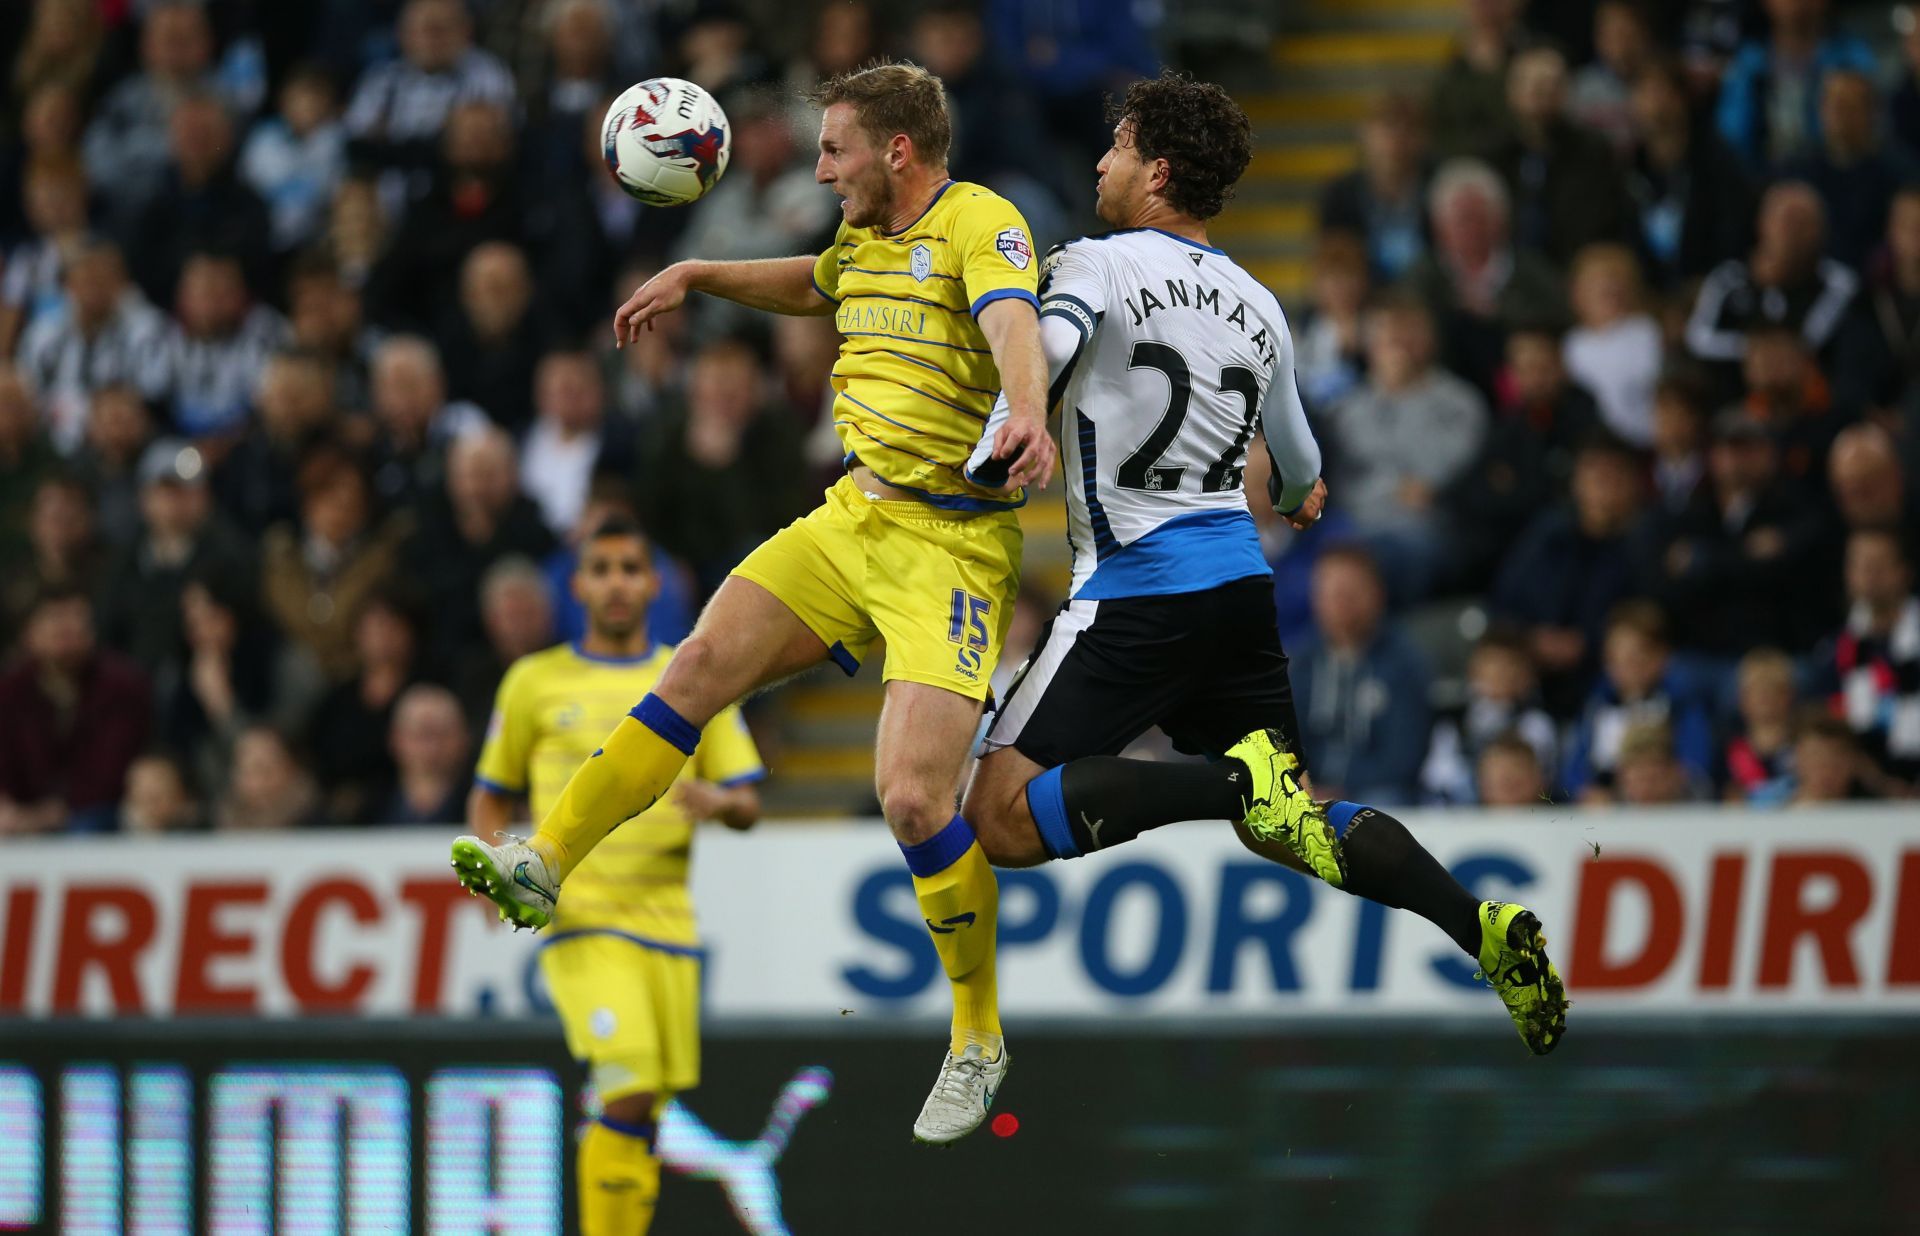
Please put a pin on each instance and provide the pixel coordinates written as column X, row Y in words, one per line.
column 512, row 876
column 961, row 1095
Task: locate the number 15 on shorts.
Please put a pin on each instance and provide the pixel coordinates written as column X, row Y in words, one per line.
column 967, row 626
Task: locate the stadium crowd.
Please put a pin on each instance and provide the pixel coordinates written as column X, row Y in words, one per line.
column 1613, row 338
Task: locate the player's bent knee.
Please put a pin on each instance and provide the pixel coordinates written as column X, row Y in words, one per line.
column 1005, row 828
column 915, row 812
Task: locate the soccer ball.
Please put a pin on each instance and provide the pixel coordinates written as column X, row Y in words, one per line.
column 666, row 141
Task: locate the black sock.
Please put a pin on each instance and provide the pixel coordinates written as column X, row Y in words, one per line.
column 1110, row 800
column 1385, row 864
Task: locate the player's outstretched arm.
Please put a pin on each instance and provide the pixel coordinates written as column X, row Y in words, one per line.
column 1297, row 491
column 1012, row 328
column 777, row 285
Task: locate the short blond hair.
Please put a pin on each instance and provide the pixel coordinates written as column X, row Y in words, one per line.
column 891, row 98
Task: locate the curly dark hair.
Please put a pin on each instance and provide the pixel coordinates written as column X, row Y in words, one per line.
column 1197, row 128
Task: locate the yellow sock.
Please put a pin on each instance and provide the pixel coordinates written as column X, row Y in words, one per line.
column 632, row 769
column 960, row 900
column 619, row 1181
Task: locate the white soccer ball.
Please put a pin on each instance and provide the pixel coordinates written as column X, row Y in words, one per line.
column 666, row 141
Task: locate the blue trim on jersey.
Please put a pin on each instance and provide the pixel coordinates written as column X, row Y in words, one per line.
column 1104, row 543
column 959, row 502
column 940, row 851
column 1182, row 239
column 658, row 715
column 890, row 446
column 494, row 787
column 931, row 202
column 903, row 274
column 659, row 946
column 597, row 659
column 746, row 778
column 1047, row 799
column 987, row 298
column 1341, row 814
column 816, row 287
column 1189, row 553
column 931, row 343
column 840, row 656
column 911, row 300
column 978, row 416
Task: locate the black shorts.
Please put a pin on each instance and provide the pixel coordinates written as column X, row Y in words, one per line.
column 1206, row 667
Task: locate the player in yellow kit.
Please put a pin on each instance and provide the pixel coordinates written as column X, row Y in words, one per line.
column 623, row 960
column 931, row 282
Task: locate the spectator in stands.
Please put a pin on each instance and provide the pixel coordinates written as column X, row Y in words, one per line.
column 62, row 48
column 1601, row 98
column 516, row 611
column 526, row 35
column 201, row 204
column 1572, row 565
column 1509, row 774
column 400, row 108
column 1757, row 761
column 571, row 439
column 474, row 195
column 26, row 458
column 1477, row 283
column 432, row 758
column 228, row 672
column 323, row 310
column 256, row 482
column 767, row 205
column 1329, row 349
column 568, row 86
column 126, row 142
column 481, row 517
column 1783, row 282
column 319, row 574
column 414, row 420
column 1871, row 668
column 104, row 335
column 181, row 537
column 214, row 353
column 718, row 48
column 119, row 429
column 1564, row 184
column 1893, row 305
column 1695, row 199
column 1903, row 109
column 159, row 798
column 269, row 790
column 1734, row 568
column 1361, row 687
column 718, row 473
column 805, row 350
column 1649, row 773
column 1503, row 700
column 1467, row 106
column 1864, row 473
column 293, row 160
column 76, row 716
column 670, row 615
column 1855, row 174
column 1615, row 351
column 1398, row 442
column 348, row 730
column 1679, row 444
column 33, row 282
column 1827, row 763
column 62, row 551
column 1770, row 97
column 49, row 132
column 1787, row 393
column 1638, row 684
column 1074, row 54
column 986, row 102
column 1383, row 201
column 492, row 340
column 359, row 231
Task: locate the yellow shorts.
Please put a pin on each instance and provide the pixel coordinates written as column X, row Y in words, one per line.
column 937, row 585
column 630, row 1011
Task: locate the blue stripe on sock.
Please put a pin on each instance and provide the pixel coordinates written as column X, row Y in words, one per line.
column 657, row 715
column 940, row 851
column 642, row 1131
column 1341, row 814
column 1047, row 799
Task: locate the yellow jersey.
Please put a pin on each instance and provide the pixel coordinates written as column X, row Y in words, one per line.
column 552, row 710
column 915, row 381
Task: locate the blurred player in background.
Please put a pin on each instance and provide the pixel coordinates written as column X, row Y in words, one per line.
column 623, row 960
column 1164, row 356
column 932, row 284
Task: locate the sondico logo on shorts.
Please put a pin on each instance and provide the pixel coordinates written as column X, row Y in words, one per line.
column 967, row 627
